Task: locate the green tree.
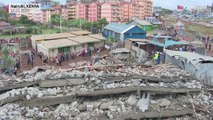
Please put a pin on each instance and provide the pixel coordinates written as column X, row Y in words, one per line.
column 8, row 61
column 24, row 19
column 87, row 26
column 102, row 22
column 54, row 3
column 13, row 21
column 29, row 30
column 111, row 40
column 55, row 19
column 3, row 14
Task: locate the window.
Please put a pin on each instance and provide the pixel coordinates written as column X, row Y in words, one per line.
column 127, row 34
column 138, row 33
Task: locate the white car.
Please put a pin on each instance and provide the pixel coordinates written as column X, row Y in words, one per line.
column 211, row 22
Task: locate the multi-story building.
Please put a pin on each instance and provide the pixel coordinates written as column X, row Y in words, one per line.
column 125, row 11
column 61, row 10
column 82, row 11
column 136, row 11
column 111, row 11
column 72, row 10
column 146, row 10
column 94, row 11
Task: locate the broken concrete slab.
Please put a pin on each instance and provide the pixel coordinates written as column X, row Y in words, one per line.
column 132, row 99
column 156, row 90
column 48, row 101
column 11, row 99
column 164, row 103
column 59, row 83
column 18, row 85
column 156, row 114
column 105, row 106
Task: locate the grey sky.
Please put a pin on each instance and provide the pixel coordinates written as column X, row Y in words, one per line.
column 171, row 4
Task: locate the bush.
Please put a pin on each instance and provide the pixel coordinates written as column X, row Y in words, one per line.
column 29, row 30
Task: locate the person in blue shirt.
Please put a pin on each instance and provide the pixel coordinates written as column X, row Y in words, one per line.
column 158, row 60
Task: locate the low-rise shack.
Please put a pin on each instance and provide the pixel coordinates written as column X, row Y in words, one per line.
column 138, row 47
column 199, row 65
column 36, row 39
column 54, row 47
column 88, row 42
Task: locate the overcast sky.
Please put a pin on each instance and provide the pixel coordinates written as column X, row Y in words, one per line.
column 171, row 4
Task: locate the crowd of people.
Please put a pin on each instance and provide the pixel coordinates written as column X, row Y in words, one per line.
column 66, row 56
column 207, row 42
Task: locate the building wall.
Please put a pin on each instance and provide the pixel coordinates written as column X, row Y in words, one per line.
column 82, row 11
column 72, row 10
column 146, row 7
column 111, row 11
column 135, row 32
column 44, row 50
column 128, row 44
column 94, row 12
column 64, row 13
column 125, row 11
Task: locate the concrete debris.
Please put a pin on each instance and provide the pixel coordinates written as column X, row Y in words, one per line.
column 104, row 90
column 164, row 103
column 132, row 99
column 143, row 103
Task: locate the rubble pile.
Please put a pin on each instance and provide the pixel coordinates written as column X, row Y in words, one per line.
column 105, row 92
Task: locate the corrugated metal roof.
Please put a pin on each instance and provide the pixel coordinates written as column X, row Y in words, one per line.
column 138, row 40
column 51, row 36
column 98, row 36
column 167, row 43
column 80, row 32
column 120, row 50
column 84, row 39
column 192, row 57
column 141, row 22
column 118, row 27
column 58, row 43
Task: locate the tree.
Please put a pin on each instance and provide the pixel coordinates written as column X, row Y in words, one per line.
column 29, row 30
column 3, row 14
column 24, row 19
column 111, row 40
column 87, row 26
column 13, row 21
column 8, row 61
column 102, row 22
column 54, row 3
column 55, row 19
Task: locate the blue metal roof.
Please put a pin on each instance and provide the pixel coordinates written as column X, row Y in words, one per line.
column 117, row 27
column 167, row 43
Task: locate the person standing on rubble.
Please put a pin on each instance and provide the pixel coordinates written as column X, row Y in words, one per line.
column 155, row 58
column 158, row 59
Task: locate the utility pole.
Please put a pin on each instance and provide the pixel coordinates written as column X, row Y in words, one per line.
column 80, row 23
column 60, row 25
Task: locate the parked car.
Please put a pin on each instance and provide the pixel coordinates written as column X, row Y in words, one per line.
column 211, row 22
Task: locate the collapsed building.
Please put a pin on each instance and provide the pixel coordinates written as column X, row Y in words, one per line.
column 105, row 91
